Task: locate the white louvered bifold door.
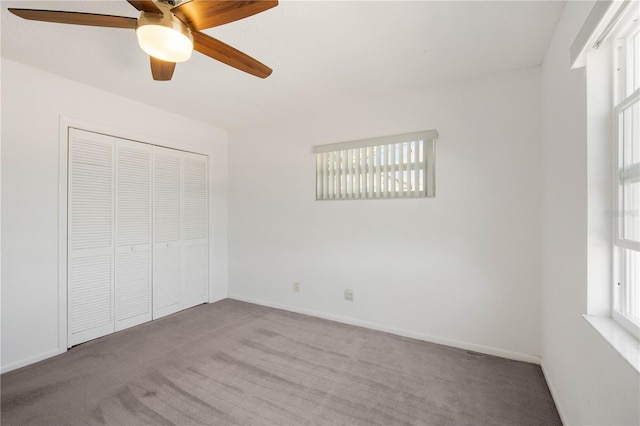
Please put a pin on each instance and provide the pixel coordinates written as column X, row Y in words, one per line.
column 195, row 242
column 90, row 277
column 167, row 231
column 133, row 234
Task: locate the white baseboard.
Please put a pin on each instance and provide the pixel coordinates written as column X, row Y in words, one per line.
column 516, row 356
column 30, row 360
column 217, row 299
column 554, row 394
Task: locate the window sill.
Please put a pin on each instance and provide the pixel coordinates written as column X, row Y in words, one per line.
column 623, row 342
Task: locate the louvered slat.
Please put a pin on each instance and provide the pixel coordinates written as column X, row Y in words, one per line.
column 90, row 294
column 167, row 231
column 167, row 275
column 195, row 274
column 90, row 214
column 166, row 193
column 195, row 197
column 134, row 194
column 133, row 286
column 118, row 192
column 195, row 246
column 91, row 186
column 133, row 234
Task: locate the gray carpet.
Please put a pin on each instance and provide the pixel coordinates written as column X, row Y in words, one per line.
column 237, row 363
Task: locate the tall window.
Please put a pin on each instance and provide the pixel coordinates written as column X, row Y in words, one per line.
column 401, row 166
column 626, row 119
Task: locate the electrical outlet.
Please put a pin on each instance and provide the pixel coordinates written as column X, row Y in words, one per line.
column 296, row 286
column 348, row 295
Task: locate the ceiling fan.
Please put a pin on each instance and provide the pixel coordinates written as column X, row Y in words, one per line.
column 169, row 30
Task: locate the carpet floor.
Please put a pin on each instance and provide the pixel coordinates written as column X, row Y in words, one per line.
column 235, row 363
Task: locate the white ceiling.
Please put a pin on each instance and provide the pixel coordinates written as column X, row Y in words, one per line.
column 323, row 53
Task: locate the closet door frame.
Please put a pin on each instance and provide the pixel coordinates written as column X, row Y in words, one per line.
column 66, row 123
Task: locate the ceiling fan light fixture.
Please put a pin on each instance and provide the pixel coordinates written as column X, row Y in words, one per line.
column 164, row 37
column 169, row 30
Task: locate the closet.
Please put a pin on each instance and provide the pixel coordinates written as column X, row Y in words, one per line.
column 137, row 233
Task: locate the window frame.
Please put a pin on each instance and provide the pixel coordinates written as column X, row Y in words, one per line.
column 626, row 94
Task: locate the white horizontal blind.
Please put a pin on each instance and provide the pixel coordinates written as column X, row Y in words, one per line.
column 401, row 166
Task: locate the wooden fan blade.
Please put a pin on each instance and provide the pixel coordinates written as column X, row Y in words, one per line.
column 201, row 14
column 145, row 6
column 161, row 70
column 224, row 53
column 76, row 18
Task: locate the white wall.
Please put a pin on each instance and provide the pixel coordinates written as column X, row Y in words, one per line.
column 590, row 382
column 462, row 268
column 498, row 257
column 32, row 103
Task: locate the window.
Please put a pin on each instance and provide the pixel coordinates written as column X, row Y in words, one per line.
column 400, row 166
column 626, row 119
